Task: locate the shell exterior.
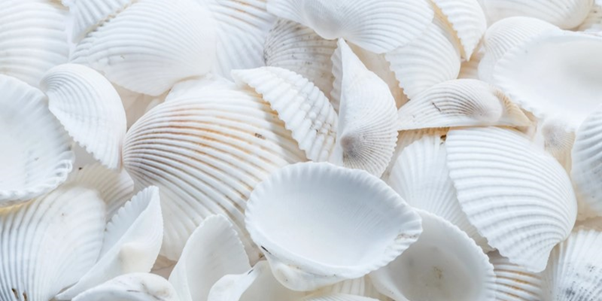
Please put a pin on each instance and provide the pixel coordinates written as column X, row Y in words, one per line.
column 136, row 104
column 131, row 287
column 593, row 21
column 337, row 297
column 36, row 151
column 89, row 108
column 49, row 243
column 516, row 195
column 514, row 283
column 360, row 287
column 182, row 31
column 558, row 141
column 89, row 14
column 303, row 108
column 470, row 69
column 444, row 264
column 565, row 14
column 368, row 224
column 468, row 20
column 462, row 102
column 371, row 24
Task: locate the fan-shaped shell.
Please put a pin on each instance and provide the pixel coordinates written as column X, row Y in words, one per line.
column 468, row 21
column 131, row 287
column 514, row 283
column 565, row 14
column 88, row 14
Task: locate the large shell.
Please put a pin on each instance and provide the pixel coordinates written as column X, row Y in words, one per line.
column 468, row 20
column 566, row 14
column 131, row 287
column 88, row 14
column 517, row 196
column 371, row 24
column 514, row 283
column 36, row 151
column 361, row 224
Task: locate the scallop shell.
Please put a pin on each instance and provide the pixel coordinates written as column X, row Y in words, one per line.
column 36, row 152
column 131, row 243
column 462, row 102
column 368, row 224
column 468, row 21
column 305, row 110
column 337, row 297
column 89, row 108
column 89, row 14
column 131, row 287
column 33, row 38
column 514, row 283
column 181, row 30
column 49, row 243
column 366, row 133
column 565, row 14
column 444, row 264
column 373, row 24
column 212, row 252
column 516, row 195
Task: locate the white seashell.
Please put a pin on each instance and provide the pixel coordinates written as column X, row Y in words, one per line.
column 468, row 21
column 303, row 108
column 565, row 14
column 131, row 244
column 337, row 297
column 360, row 287
column 131, row 287
column 163, row 266
column 181, row 31
column 593, row 21
column 36, row 152
column 89, row 14
column 366, row 133
column 136, row 104
column 49, row 243
column 444, row 264
column 373, row 25
column 33, row 38
column 212, row 252
column 206, row 152
column 514, row 283
column 89, row 108
column 361, row 224
column 558, row 142
column 462, row 102
column 470, row 69
column 516, row 195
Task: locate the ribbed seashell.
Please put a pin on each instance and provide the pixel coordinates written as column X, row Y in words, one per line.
column 36, row 151
column 373, row 24
column 131, row 243
column 516, row 195
column 33, row 38
column 468, row 21
column 566, row 14
column 432, row 58
column 514, row 283
column 212, row 252
column 337, row 297
column 131, row 287
column 444, row 264
column 136, row 104
column 303, row 108
column 206, row 152
column 89, row 108
column 88, row 14
column 294, row 46
column 593, row 21
column 558, row 141
column 182, row 34
column 49, row 243
column 366, row 133
column 470, row 69
column 368, row 224
column 462, row 102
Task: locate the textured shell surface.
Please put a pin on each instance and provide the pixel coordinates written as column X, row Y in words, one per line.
column 131, row 287
column 514, row 282
column 566, row 14
column 89, row 14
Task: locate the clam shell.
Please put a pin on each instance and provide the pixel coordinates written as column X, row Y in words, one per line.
column 444, row 264
column 516, row 195
column 36, row 151
column 468, row 21
column 514, row 283
column 183, row 35
column 89, row 108
column 371, row 24
column 462, row 102
column 337, row 297
column 89, row 14
column 131, row 287
column 565, row 14
column 367, row 223
column 303, row 108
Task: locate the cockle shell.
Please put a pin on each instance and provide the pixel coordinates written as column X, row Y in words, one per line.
column 514, row 283
column 566, row 14
column 89, row 14
column 131, row 287
column 468, row 20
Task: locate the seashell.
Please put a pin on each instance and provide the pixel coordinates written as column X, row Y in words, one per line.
column 298, row 48
column 131, row 287
column 136, row 104
column 49, row 243
column 33, row 42
column 593, row 21
column 337, row 297
column 36, row 152
column 212, row 252
column 468, row 21
column 503, row 180
column 558, row 142
column 303, row 108
column 188, row 146
column 470, row 69
column 317, row 258
column 462, row 102
column 184, row 35
column 131, row 243
column 444, row 264
column 565, row 14
column 432, row 58
column 163, row 266
column 89, row 108
column 366, row 131
column 360, row 287
column 514, row 283
column 89, row 14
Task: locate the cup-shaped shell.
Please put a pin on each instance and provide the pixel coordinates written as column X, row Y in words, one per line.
column 468, row 20
column 132, row 287
column 318, row 224
column 87, row 15
column 565, row 14
column 514, row 283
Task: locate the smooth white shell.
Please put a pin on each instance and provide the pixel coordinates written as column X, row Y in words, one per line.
column 131, row 287
column 566, row 14
column 514, row 283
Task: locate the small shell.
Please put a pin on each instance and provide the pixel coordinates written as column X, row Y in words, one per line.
column 89, row 14
column 337, row 297
column 367, row 223
column 371, row 24
column 565, row 14
column 444, row 264
column 462, row 102
column 89, row 108
column 303, row 108
column 468, row 20
column 36, row 151
column 516, row 195
column 131, row 287
column 514, row 283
